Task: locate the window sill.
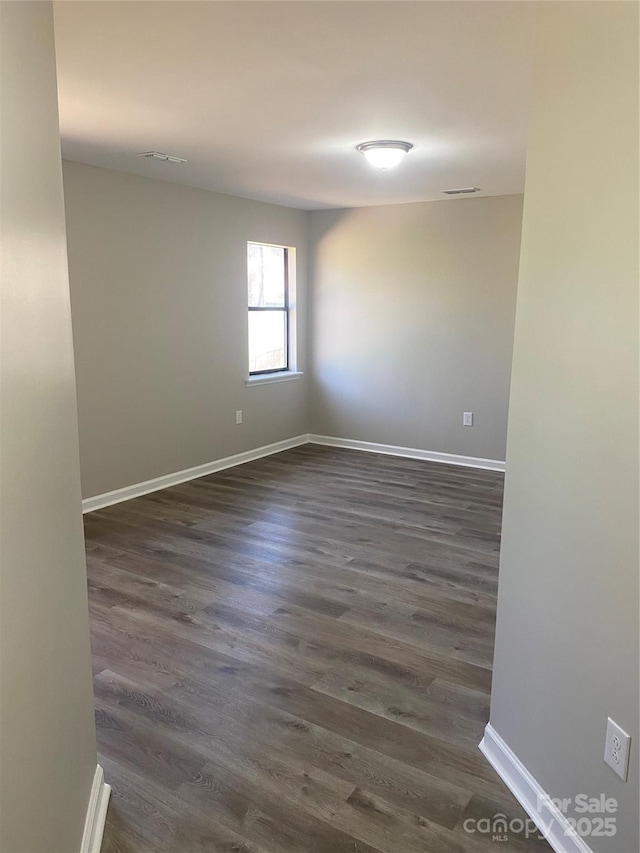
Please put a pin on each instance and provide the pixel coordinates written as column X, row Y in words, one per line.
column 268, row 378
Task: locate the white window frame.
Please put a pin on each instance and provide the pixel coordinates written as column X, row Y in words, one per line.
column 291, row 371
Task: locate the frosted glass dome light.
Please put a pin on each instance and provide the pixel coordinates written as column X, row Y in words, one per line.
column 384, row 153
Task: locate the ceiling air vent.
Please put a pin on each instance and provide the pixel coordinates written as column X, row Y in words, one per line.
column 158, row 155
column 462, row 191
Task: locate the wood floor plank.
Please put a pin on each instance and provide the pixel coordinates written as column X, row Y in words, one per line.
column 365, row 816
column 361, row 637
column 294, row 656
column 455, row 763
column 417, row 706
column 232, row 724
column 169, row 823
column 287, row 803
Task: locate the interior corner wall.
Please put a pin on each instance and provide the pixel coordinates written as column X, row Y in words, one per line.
column 159, row 304
column 47, row 735
column 413, row 309
column 566, row 653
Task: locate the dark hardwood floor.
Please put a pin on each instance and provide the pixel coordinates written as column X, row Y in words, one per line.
column 295, row 655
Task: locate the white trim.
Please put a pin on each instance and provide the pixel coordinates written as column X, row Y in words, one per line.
column 551, row 822
column 268, row 378
column 144, row 488
column 96, row 814
column 138, row 489
column 409, row 452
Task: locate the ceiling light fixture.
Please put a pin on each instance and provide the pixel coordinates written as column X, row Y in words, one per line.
column 462, row 191
column 384, row 153
column 158, row 155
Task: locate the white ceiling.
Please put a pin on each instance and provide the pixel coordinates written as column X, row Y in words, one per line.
column 267, row 100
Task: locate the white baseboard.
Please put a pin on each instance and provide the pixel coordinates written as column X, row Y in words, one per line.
column 551, row 822
column 96, row 814
column 409, row 452
column 148, row 486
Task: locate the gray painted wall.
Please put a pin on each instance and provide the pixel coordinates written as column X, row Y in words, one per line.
column 47, row 737
column 413, row 313
column 567, row 635
column 159, row 301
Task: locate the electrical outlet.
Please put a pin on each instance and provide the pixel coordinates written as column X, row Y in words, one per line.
column 616, row 750
column 239, row 416
column 467, row 419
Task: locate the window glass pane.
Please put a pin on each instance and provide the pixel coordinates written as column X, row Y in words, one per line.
column 266, row 275
column 267, row 340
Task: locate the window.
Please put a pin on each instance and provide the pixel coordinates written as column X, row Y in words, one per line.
column 270, row 332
